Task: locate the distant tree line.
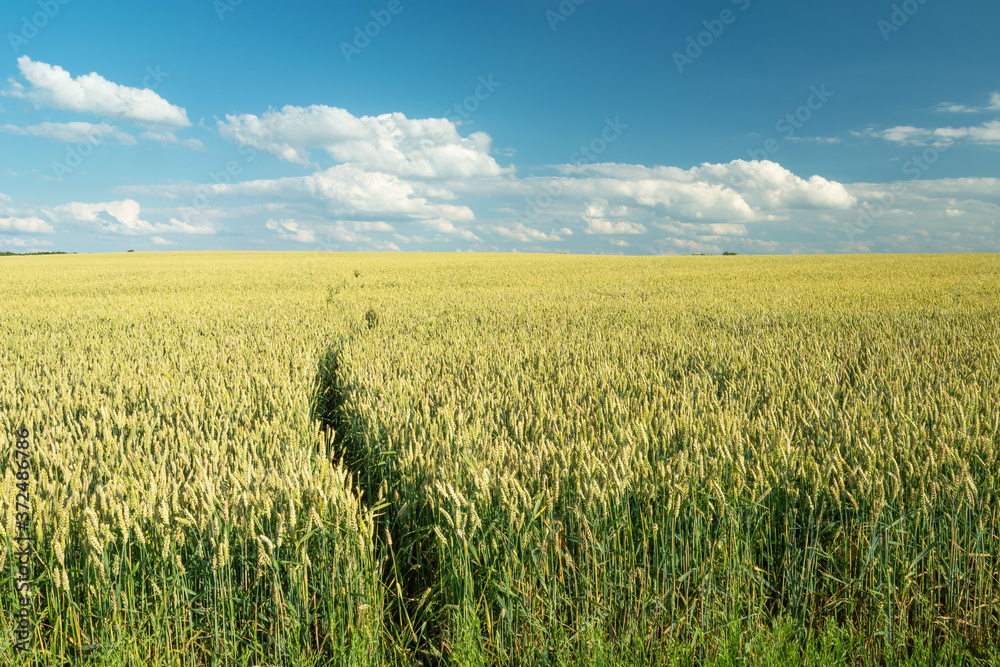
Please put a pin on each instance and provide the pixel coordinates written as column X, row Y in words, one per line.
column 8, row 253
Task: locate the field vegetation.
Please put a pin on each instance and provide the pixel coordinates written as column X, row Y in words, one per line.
column 242, row 459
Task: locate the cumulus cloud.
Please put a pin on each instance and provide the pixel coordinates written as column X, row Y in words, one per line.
column 704, row 206
column 992, row 105
column 24, row 221
column 116, row 217
column 942, row 215
column 817, row 140
column 659, row 190
column 691, row 246
column 909, row 135
column 952, row 190
column 717, row 229
column 606, row 199
column 518, row 231
column 446, row 227
column 26, row 244
column 956, row 108
column 987, row 133
column 72, row 133
column 737, row 191
column 372, row 226
column 289, row 230
column 159, row 240
column 709, row 206
column 392, row 143
column 27, row 225
column 345, row 191
column 52, row 86
column 767, row 186
column 604, row 219
column 171, row 138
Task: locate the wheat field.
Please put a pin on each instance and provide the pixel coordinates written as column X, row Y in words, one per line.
column 311, row 458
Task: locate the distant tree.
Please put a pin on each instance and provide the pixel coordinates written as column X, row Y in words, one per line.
column 728, row 253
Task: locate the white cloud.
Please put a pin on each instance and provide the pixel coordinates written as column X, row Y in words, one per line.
column 117, row 217
column 14, row 89
column 952, row 190
column 54, row 87
column 903, row 134
column 708, row 201
column 159, row 240
column 5, row 198
column 74, row 132
column 171, row 138
column 992, row 105
column 619, row 243
column 738, row 191
column 205, row 219
column 394, row 171
column 289, row 230
column 598, row 218
column 345, row 191
column 987, row 133
column 28, row 225
column 955, row 108
column 710, row 232
column 29, row 245
column 944, row 215
column 693, row 246
column 723, row 229
column 767, row 186
column 372, row 226
column 446, row 227
column 391, row 143
column 818, row 140
column 397, row 169
column 520, row 232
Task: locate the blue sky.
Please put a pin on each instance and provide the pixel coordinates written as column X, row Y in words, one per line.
column 519, row 125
